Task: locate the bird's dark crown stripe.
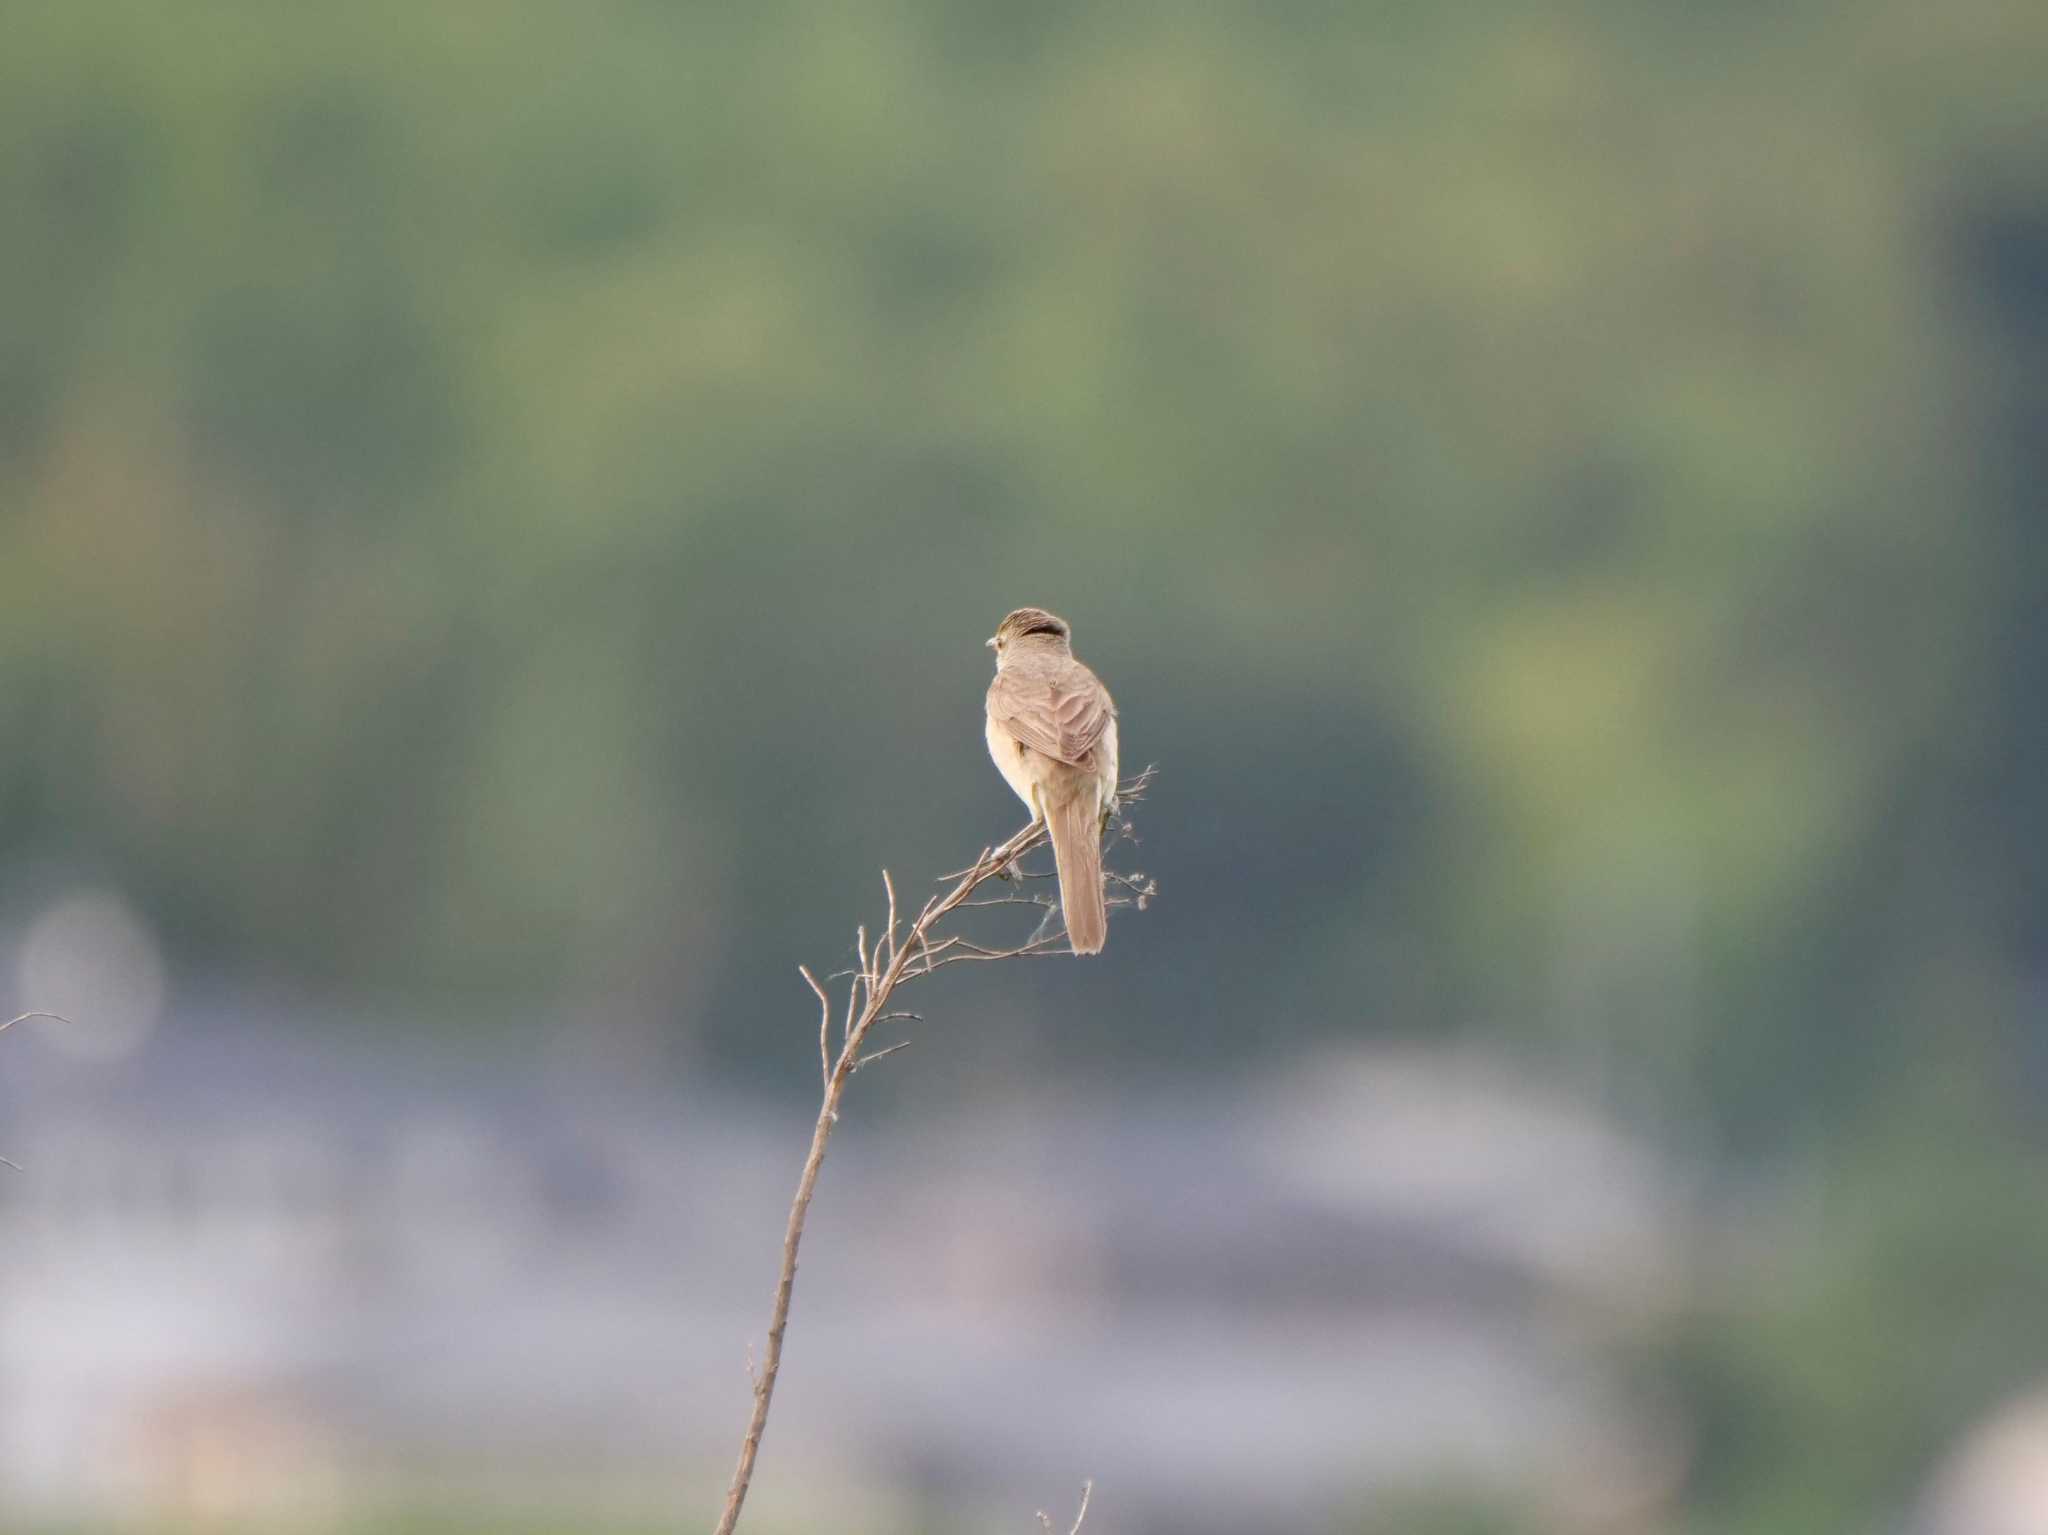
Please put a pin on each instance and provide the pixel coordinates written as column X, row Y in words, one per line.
column 1047, row 628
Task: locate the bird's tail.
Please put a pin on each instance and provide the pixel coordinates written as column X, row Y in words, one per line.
column 1076, row 828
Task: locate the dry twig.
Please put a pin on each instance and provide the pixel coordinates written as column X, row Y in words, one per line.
column 4, row 1027
column 24, row 1017
column 891, row 961
column 1045, row 1519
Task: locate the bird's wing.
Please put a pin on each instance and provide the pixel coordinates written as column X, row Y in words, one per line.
column 1061, row 714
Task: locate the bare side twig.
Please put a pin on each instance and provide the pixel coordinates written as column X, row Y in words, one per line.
column 24, row 1017
column 1045, row 1519
column 884, row 965
column 4, row 1027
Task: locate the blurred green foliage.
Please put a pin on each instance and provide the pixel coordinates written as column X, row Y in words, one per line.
column 1868, row 1328
column 504, row 502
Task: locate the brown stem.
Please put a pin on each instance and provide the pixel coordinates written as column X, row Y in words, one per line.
column 878, row 984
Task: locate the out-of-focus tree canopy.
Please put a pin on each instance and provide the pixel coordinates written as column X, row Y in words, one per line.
column 510, row 498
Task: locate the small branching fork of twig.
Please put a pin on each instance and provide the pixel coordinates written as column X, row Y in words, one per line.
column 896, row 955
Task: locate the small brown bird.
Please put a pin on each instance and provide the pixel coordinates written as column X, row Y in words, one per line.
column 1052, row 732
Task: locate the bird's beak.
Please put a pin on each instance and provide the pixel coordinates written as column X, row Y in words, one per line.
column 990, row 642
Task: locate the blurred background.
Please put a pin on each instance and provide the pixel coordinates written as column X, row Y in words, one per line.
column 499, row 509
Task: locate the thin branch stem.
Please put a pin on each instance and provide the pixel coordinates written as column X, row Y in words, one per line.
column 824, row 1026
column 882, row 969
column 876, row 1055
column 24, row 1017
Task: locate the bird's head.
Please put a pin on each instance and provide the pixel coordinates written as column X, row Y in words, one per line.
column 1029, row 626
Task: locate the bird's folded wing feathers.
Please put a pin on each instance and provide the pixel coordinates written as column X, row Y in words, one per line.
column 1063, row 717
